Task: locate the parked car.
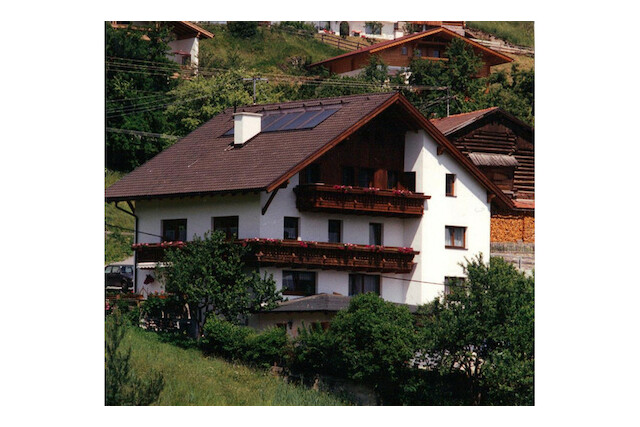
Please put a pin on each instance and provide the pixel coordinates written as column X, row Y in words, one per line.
column 119, row 277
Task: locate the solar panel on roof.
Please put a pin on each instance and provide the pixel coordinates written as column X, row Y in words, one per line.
column 301, row 121
column 285, row 120
column 315, row 121
column 292, row 120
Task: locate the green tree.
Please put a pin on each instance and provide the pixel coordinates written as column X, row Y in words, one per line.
column 122, row 386
column 138, row 76
column 204, row 97
column 485, row 328
column 374, row 340
column 210, row 276
column 513, row 93
column 243, row 29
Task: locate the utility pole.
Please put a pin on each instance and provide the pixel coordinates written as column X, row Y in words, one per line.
column 254, row 79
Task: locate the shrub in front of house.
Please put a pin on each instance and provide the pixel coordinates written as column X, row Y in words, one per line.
column 224, row 338
column 266, row 348
column 373, row 341
column 313, row 352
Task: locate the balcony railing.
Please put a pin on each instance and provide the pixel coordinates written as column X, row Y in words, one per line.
column 370, row 201
column 331, row 256
column 305, row 254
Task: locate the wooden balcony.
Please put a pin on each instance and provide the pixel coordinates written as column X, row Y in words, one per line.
column 301, row 254
column 330, row 256
column 356, row 200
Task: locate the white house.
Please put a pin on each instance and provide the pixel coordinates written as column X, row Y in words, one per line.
column 385, row 30
column 185, row 46
column 337, row 196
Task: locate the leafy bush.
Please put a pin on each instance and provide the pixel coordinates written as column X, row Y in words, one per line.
column 225, row 339
column 266, row 348
column 162, row 305
column 312, row 351
column 243, row 29
column 374, row 340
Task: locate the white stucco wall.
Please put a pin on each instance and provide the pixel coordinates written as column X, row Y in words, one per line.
column 387, row 29
column 468, row 209
column 190, row 45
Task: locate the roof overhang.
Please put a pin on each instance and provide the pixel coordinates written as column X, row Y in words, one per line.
column 183, row 195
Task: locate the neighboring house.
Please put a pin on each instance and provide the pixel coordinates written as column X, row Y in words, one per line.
column 397, row 54
column 185, row 47
column 341, row 195
column 502, row 147
column 385, row 30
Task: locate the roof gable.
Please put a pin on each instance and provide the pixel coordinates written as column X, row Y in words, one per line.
column 374, row 48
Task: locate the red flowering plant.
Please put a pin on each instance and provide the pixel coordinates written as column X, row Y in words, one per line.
column 371, row 190
column 402, row 192
column 304, row 244
column 344, row 188
column 348, row 246
column 405, row 250
column 375, row 248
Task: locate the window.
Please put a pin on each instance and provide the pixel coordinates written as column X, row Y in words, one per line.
column 455, row 237
column 435, row 53
column 365, row 177
column 410, row 181
column 291, row 230
column 450, row 282
column 320, row 325
column 298, row 283
column 227, row 224
column 450, row 187
column 375, row 233
column 348, row 175
column 335, row 231
column 311, row 174
column 363, row 283
column 392, row 179
column 174, row 230
column 127, row 269
column 403, row 51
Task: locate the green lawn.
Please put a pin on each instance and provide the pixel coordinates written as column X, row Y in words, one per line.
column 117, row 242
column 192, row 379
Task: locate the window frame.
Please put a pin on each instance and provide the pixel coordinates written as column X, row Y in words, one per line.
column 312, row 174
column 354, row 276
column 381, row 233
column 450, row 192
column 297, row 227
column 226, row 218
column 349, row 170
column 166, row 222
column 339, row 223
column 371, row 175
column 450, row 230
column 295, row 277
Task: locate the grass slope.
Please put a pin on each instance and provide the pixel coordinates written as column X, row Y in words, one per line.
column 117, row 242
column 267, row 51
column 192, row 379
column 516, row 32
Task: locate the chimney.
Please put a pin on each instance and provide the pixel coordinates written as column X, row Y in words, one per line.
column 245, row 126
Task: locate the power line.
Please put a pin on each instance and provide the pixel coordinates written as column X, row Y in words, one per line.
column 141, row 133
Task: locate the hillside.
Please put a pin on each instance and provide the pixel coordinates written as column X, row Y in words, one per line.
column 118, row 235
column 193, row 379
column 519, row 33
column 271, row 50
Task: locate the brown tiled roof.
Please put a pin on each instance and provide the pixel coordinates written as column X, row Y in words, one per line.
column 492, row 159
column 500, row 58
column 205, row 162
column 450, row 124
column 321, row 302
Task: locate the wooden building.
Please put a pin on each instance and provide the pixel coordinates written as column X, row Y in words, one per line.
column 430, row 44
column 502, row 147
